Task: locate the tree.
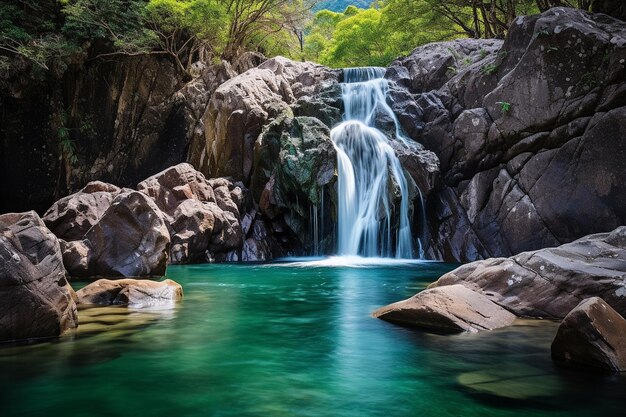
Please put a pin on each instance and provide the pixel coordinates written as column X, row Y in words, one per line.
column 252, row 23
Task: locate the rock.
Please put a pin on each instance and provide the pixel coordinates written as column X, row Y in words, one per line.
column 71, row 217
column 123, row 116
column 295, row 162
column 592, row 335
column 36, row 300
column 520, row 382
column 529, row 136
column 203, row 216
column 449, row 309
column 130, row 239
column 131, row 292
column 430, row 66
column 109, row 231
column 551, row 282
column 176, row 184
column 75, row 257
column 240, row 108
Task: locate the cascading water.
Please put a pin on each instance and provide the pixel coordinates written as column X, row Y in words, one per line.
column 368, row 168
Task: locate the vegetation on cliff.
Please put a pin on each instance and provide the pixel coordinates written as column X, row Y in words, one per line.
column 51, row 34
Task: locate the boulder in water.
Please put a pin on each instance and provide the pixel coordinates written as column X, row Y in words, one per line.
column 551, row 282
column 450, row 309
column 131, row 292
column 592, row 335
column 36, row 300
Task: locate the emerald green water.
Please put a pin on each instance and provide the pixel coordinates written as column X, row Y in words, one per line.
column 280, row 340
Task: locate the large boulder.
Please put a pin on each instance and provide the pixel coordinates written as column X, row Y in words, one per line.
column 131, row 292
column 551, row 282
column 240, row 108
column 450, row 309
column 592, row 335
column 36, row 300
column 203, row 216
column 72, row 216
column 110, row 232
column 130, row 239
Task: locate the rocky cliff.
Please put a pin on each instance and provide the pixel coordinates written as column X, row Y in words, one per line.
column 529, row 133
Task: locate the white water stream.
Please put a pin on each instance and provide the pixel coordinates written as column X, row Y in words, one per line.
column 368, row 172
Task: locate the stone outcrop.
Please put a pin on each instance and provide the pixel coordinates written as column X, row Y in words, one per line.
column 240, row 108
column 551, row 282
column 110, row 232
column 449, row 309
column 208, row 220
column 36, row 300
column 131, row 292
column 592, row 335
column 528, row 132
column 270, row 129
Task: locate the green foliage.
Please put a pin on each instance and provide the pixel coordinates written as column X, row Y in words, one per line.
column 120, row 22
column 490, row 68
column 68, row 149
column 505, row 106
column 373, row 36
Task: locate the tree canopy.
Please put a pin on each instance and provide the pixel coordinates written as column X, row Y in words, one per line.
column 390, row 28
column 51, row 33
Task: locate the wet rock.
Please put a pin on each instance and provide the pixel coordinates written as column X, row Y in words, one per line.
column 131, row 292
column 450, row 309
column 592, row 335
column 36, row 300
column 551, row 282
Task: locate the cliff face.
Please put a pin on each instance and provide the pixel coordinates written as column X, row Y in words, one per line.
column 117, row 121
column 530, row 134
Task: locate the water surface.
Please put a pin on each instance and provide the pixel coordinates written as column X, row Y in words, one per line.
column 294, row 340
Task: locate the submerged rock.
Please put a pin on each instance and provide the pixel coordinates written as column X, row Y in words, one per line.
column 592, row 335
column 36, row 300
column 512, row 383
column 551, row 282
column 131, row 292
column 449, row 309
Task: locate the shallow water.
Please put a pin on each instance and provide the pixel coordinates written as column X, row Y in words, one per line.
column 294, row 340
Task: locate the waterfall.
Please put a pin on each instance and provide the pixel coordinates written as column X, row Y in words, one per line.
column 369, row 172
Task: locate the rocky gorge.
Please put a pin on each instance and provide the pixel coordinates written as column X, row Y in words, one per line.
column 515, row 165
